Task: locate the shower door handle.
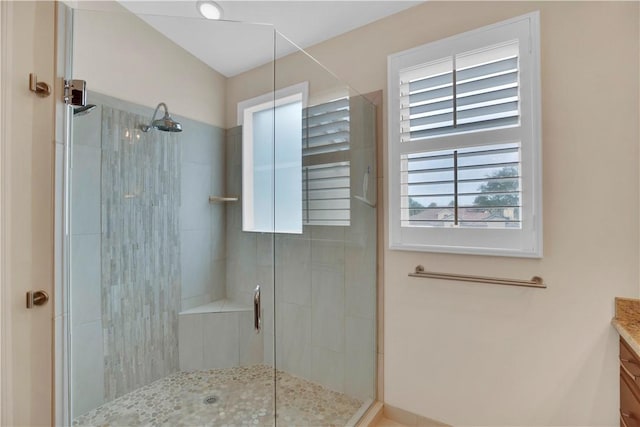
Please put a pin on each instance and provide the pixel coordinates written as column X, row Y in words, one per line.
column 257, row 317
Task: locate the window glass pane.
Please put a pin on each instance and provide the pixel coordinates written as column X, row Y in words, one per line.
column 262, row 171
column 274, row 193
column 288, row 168
column 487, row 194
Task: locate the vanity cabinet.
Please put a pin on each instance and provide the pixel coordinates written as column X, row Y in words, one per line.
column 629, row 387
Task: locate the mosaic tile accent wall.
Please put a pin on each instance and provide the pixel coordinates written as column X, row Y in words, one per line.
column 140, row 211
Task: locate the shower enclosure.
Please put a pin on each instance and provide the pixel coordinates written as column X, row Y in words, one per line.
column 220, row 246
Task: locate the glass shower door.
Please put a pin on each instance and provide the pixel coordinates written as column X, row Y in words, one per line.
column 325, row 273
column 191, row 183
column 161, row 274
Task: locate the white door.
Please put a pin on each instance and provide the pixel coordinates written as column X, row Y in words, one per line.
column 26, row 212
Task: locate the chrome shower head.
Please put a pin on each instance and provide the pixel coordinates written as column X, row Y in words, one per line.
column 165, row 124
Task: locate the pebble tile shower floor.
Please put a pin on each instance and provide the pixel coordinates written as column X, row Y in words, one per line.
column 243, row 397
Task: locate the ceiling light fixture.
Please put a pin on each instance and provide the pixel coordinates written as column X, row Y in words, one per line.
column 209, row 9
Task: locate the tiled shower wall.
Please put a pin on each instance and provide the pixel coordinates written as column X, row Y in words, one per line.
column 201, row 245
column 87, row 354
column 326, row 277
column 140, row 245
column 202, row 223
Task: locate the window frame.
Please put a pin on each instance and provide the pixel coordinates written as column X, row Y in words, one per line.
column 245, row 111
column 523, row 242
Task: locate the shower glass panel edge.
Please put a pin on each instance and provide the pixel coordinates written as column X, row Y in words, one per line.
column 61, row 402
column 153, row 189
column 325, row 285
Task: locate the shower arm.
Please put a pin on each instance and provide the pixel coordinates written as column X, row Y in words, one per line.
column 146, row 128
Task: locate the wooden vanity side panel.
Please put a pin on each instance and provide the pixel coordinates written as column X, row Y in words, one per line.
column 629, row 387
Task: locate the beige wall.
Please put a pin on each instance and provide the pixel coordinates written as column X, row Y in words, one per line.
column 473, row 354
column 27, row 204
column 121, row 56
column 287, row 71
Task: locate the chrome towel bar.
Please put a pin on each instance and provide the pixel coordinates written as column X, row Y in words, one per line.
column 535, row 282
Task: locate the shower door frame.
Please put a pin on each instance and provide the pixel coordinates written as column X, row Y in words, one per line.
column 62, row 294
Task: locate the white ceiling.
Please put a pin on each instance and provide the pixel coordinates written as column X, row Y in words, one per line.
column 233, row 47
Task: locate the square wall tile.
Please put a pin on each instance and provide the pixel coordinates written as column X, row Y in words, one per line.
column 195, row 209
column 292, row 251
column 360, row 299
column 196, row 263
column 326, row 232
column 241, row 281
column 268, row 341
column 202, row 143
column 87, row 129
column 295, row 358
column 265, row 243
column 360, row 358
column 267, row 318
column 327, row 254
column 220, row 338
column 327, row 368
column 293, row 339
column 218, row 234
column 328, row 304
column 294, row 284
column 217, row 276
column 86, row 279
column 233, row 217
column 251, row 343
column 87, row 378
column 190, row 347
column 86, row 190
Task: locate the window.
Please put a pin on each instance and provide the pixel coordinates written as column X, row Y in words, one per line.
column 272, row 160
column 464, row 143
column 326, row 170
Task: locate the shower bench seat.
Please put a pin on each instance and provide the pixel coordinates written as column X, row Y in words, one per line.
column 218, row 335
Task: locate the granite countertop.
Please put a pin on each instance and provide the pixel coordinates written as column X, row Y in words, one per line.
column 627, row 321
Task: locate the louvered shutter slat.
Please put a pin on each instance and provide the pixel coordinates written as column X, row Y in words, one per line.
column 486, row 95
column 326, row 186
column 488, row 191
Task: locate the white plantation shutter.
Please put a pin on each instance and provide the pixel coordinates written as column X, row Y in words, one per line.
column 464, row 143
column 326, row 127
column 326, row 172
column 326, row 199
column 482, row 95
column 472, row 187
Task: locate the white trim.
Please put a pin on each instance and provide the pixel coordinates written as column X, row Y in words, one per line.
column 527, row 242
column 268, row 99
column 6, row 404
